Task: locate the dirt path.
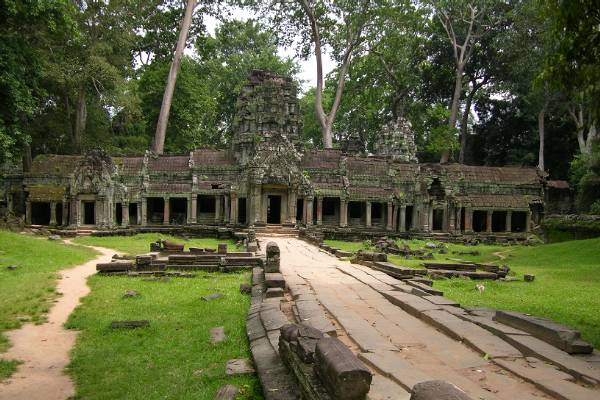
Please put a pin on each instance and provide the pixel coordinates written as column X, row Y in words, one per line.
column 44, row 349
column 393, row 342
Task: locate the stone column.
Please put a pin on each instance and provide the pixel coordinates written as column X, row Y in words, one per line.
column 343, row 213
column 125, row 214
column 458, row 219
column 139, row 212
column 414, row 220
column 217, row 209
column 508, row 223
column 233, row 212
column 528, row 222
column 450, row 216
column 99, row 209
column 166, row 211
column 390, row 211
column 65, row 213
column 292, row 204
column 368, row 213
column 425, row 217
column 144, row 211
column 52, row 213
column 304, row 201
column 309, row 210
column 395, row 219
column 468, row 219
column 193, row 211
column 256, row 201
column 319, row 210
column 226, row 209
column 28, row 212
column 403, row 218
column 430, row 218
column 488, row 222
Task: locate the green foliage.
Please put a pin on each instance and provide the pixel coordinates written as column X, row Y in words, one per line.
column 7, row 368
column 595, row 208
column 585, row 177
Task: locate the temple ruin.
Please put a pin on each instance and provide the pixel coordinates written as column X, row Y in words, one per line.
column 267, row 177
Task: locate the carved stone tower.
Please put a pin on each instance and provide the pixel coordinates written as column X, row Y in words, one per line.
column 397, row 141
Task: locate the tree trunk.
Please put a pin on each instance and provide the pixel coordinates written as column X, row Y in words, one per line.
column 163, row 118
column 542, row 133
column 464, row 125
column 454, row 108
column 27, row 159
column 590, row 138
column 80, row 120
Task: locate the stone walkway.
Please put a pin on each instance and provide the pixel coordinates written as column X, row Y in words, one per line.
column 402, row 349
column 44, row 349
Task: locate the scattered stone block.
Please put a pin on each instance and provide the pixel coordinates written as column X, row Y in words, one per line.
column 222, row 248
column 118, row 266
column 217, row 335
column 129, row 324
column 11, row 267
column 245, row 288
column 437, row 390
column 54, row 237
column 227, row 392
column 274, row 292
column 275, row 280
column 529, row 277
column 211, row 297
column 344, row 376
column 343, row 254
column 239, row 366
column 130, row 294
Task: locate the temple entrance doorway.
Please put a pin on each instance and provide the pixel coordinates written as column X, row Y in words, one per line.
column 273, row 209
column 89, row 212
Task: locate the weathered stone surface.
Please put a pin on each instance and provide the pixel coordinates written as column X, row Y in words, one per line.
column 529, row 277
column 217, row 335
column 441, row 301
column 412, row 304
column 563, row 337
column 450, row 266
column 425, row 288
column 227, row 392
column 341, row 372
column 343, row 254
column 130, row 294
column 54, row 237
column 274, row 292
column 239, row 366
column 276, row 381
column 11, row 267
column 437, row 390
column 222, row 248
column 272, row 317
column 273, row 280
column 129, row 324
column 213, row 296
column 117, row 266
column 258, row 276
column 396, row 368
column 272, row 250
column 245, row 288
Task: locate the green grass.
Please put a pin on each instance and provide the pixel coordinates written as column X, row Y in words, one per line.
column 140, row 243
column 7, row 368
column 566, row 288
column 173, row 358
column 26, row 292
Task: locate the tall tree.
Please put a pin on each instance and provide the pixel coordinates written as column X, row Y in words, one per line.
column 163, row 119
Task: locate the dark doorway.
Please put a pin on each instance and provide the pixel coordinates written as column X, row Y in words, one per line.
column 242, row 211
column 438, row 219
column 479, row 221
column 155, row 210
column 178, row 210
column 133, row 213
column 300, row 210
column 89, row 212
column 330, row 213
column 40, row 213
column 59, row 213
column 461, row 223
column 273, row 209
column 519, row 221
column 499, row 221
column 376, row 214
column 119, row 214
column 408, row 218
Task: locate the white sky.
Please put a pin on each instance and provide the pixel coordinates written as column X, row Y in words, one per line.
column 308, row 68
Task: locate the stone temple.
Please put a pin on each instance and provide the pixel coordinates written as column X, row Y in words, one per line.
column 266, row 177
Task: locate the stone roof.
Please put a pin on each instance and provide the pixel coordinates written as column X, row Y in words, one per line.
column 169, row 188
column 367, row 166
column 497, row 175
column 325, row 159
column 52, row 164
column 499, row 201
column 46, row 192
column 169, row 164
column 211, row 157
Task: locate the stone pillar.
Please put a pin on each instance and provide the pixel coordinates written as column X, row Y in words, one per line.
column 309, row 210
column 193, row 211
column 144, row 211
column 425, row 217
column 124, row 214
column 256, row 201
column 166, row 211
column 457, row 225
column 395, row 219
column 28, row 212
column 343, row 213
column 65, row 213
column 217, row 209
column 368, row 213
column 233, row 212
column 468, row 219
column 292, row 204
column 450, row 216
column 403, row 218
column 139, row 212
column 74, row 217
column 226, row 209
column 52, row 213
column 430, row 218
column 488, row 221
column 528, row 222
column 99, row 209
column 508, row 223
column 414, row 220
column 390, row 211
column 319, row 210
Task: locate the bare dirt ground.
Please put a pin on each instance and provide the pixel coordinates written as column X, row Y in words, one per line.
column 44, row 349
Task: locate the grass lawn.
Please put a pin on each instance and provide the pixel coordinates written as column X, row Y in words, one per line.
column 140, row 243
column 26, row 292
column 566, row 287
column 173, row 358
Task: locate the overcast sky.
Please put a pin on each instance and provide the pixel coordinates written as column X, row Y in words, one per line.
column 308, row 68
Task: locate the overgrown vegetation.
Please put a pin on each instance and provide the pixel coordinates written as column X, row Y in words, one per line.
column 565, row 288
column 27, row 290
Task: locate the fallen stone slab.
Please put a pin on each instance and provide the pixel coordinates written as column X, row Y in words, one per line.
column 425, row 288
column 344, row 376
column 129, row 324
column 391, row 365
column 410, row 303
column 11, row 267
column 217, row 335
column 275, row 379
column 258, row 276
column 437, row 390
column 275, row 280
column 476, row 275
column 272, row 317
column 450, row 266
column 227, row 392
column 130, row 294
column 311, row 313
column 274, row 292
column 560, row 336
column 441, row 301
column 222, row 248
column 116, row 266
column 239, row 366
column 343, row 254
column 211, row 297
